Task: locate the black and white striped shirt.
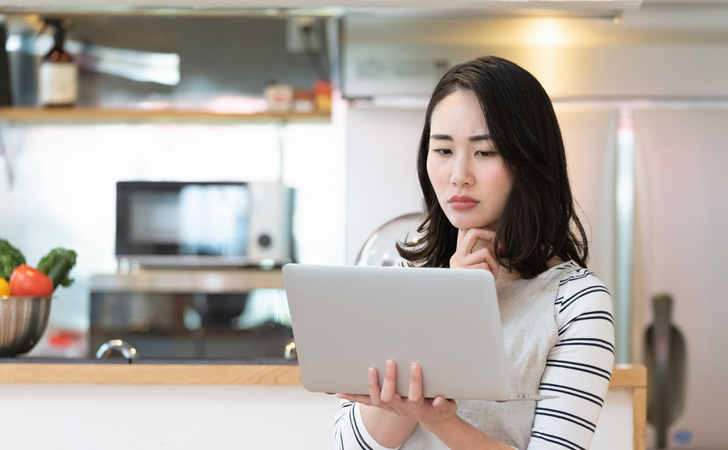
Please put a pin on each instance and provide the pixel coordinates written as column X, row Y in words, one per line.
column 578, row 369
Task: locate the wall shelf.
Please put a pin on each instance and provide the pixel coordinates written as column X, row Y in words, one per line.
column 90, row 115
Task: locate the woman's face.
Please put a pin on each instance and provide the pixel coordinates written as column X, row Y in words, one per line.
column 466, row 171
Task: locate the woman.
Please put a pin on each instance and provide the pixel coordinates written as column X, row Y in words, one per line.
column 492, row 168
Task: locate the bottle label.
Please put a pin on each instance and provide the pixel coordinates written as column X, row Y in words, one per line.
column 58, row 83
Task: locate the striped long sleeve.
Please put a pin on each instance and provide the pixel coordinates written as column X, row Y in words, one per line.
column 578, row 367
column 349, row 429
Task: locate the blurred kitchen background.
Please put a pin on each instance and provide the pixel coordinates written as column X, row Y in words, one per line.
column 640, row 90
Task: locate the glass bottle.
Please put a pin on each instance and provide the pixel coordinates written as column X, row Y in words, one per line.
column 58, row 75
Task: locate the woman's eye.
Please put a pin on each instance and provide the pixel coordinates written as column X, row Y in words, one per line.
column 442, row 151
column 485, row 153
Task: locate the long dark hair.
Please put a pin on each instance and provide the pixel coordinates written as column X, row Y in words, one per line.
column 539, row 221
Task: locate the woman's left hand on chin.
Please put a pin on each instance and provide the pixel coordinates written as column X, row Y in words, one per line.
column 426, row 411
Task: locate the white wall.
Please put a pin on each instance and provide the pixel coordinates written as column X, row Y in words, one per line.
column 381, row 174
column 682, row 218
column 63, row 191
column 589, row 137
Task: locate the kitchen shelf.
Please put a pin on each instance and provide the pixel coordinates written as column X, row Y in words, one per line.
column 84, row 115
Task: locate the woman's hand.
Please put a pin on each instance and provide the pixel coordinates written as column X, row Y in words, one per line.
column 391, row 419
column 475, row 251
column 424, row 410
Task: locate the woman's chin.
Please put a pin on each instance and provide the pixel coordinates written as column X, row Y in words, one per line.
column 466, row 223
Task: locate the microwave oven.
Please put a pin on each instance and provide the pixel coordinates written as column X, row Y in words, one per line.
column 204, row 223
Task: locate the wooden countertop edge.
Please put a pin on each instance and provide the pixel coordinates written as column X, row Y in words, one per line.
column 170, row 374
column 628, row 376
column 623, row 376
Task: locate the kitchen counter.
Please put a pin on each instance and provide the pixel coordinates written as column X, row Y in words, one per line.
column 189, row 404
column 266, row 372
column 262, row 372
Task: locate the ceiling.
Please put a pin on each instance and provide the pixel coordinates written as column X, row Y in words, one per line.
column 313, row 7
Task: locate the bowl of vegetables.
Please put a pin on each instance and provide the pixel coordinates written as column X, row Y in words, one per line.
column 26, row 293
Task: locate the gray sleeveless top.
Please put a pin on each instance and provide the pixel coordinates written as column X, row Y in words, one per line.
column 529, row 330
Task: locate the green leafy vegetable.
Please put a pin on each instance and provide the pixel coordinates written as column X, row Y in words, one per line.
column 10, row 258
column 57, row 264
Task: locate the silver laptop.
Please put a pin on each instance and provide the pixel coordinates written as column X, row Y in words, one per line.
column 346, row 319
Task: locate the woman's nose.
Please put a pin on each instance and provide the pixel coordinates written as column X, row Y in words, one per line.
column 461, row 174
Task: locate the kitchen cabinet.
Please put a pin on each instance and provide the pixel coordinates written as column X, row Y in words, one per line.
column 190, row 406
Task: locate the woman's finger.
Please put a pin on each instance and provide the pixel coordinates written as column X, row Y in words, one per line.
column 441, row 404
column 389, row 385
column 485, row 233
column 414, row 393
column 480, row 244
column 471, row 241
column 486, row 256
column 373, row 384
column 474, row 258
column 481, row 256
column 474, row 263
column 466, row 244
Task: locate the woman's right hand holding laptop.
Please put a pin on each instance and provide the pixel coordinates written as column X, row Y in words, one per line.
column 394, row 416
column 391, row 418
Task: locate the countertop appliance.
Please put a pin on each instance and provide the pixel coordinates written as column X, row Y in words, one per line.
column 204, row 223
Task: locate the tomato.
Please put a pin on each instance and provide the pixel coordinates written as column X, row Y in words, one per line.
column 29, row 282
column 4, row 288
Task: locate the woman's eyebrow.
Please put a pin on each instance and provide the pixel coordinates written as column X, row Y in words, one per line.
column 482, row 137
column 445, row 137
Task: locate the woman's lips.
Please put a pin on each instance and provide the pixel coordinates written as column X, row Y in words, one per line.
column 462, row 203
